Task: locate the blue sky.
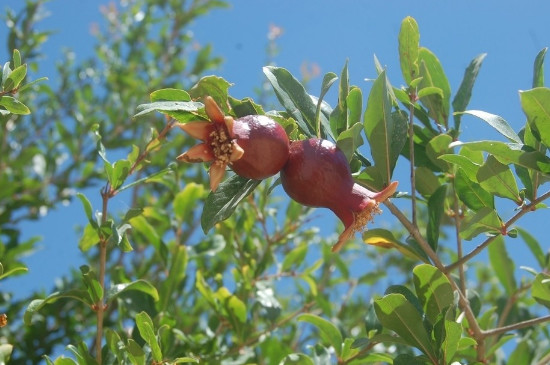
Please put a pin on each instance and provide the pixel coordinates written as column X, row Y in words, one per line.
column 324, row 33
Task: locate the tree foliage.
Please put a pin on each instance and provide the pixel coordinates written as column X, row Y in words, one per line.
column 259, row 284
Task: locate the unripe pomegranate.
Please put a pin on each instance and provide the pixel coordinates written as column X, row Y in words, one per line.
column 255, row 146
column 317, row 174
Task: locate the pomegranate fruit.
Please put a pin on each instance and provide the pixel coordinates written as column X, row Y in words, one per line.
column 255, row 146
column 317, row 174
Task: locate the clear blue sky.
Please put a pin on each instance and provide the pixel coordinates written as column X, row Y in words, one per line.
column 325, row 33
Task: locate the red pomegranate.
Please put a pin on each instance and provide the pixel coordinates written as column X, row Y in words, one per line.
column 317, row 174
column 255, row 146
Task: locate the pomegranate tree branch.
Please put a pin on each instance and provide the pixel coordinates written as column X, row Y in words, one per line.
column 524, row 209
column 516, row 326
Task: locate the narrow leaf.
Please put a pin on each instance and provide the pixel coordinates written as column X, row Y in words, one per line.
column 538, row 69
column 534, row 246
column 222, row 203
column 498, row 179
column 328, row 80
column 497, row 122
column 433, row 75
column 138, row 285
column 436, row 208
column 13, row 105
column 541, row 289
column 146, row 331
column 484, row 220
column 327, row 328
column 396, row 313
column 409, row 39
column 37, row 304
column 536, row 106
column 464, row 93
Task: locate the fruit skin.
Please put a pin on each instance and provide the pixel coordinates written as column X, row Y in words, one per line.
column 317, row 174
column 265, row 145
column 255, row 146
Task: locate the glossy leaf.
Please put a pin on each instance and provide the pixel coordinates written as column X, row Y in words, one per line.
column 541, row 289
column 409, row 39
column 92, row 284
column 437, row 146
column 433, row 290
column 514, row 153
column 13, row 105
column 14, row 79
column 35, row 305
column 395, row 312
column 349, row 140
column 213, row 86
column 138, row 285
column 222, row 203
column 170, row 95
column 147, row 332
column 497, row 122
column 89, row 238
column 485, row 220
column 168, row 106
column 536, row 106
column 467, row 166
column 87, row 207
column 329, row 330
column 294, row 98
column 406, row 359
column 498, row 179
column 381, row 128
column 502, row 265
column 426, row 182
column 464, row 92
column 471, row 193
column 327, row 82
column 436, row 208
column 433, row 76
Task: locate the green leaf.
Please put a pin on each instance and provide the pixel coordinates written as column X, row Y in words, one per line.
column 168, row 107
column 87, row 208
column 453, row 333
column 436, row 208
column 297, row 359
column 467, row 166
column 328, row 329
column 395, row 312
column 507, row 153
column 498, row 179
column 35, row 305
column 185, row 201
column 147, row 332
column 213, row 86
column 471, row 193
column 176, row 275
column 154, row 177
column 503, row 265
column 433, row 290
column 13, row 105
column 426, row 182
column 16, row 58
column 135, row 353
column 236, row 308
column 406, row 359
column 349, row 140
column 437, row 146
column 32, row 83
column 89, row 237
column 538, row 68
column 298, row 103
column 464, row 92
column 383, row 130
column 536, row 106
column 433, row 75
column 170, row 95
column 184, row 360
column 497, row 122
column 294, row 258
column 339, row 116
column 541, row 289
column 120, row 171
column 15, row 78
column 484, row 220
column 222, row 203
column 409, row 40
column 92, row 284
column 82, row 354
column 328, row 80
column 14, row 269
column 534, row 246
column 429, row 90
column 138, row 285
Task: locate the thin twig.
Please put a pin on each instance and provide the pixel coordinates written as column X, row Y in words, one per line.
column 516, row 326
column 524, row 209
column 457, row 217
